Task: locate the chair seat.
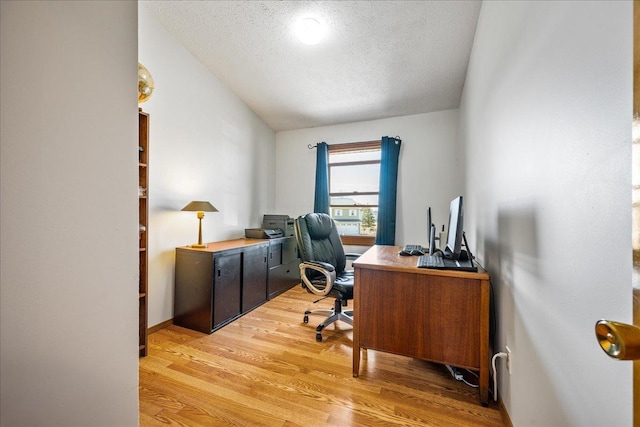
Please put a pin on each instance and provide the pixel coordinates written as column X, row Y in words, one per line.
column 344, row 285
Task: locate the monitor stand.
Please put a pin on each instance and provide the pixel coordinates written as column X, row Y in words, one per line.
column 466, row 245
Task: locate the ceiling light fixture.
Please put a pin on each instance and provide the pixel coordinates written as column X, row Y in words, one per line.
column 310, row 31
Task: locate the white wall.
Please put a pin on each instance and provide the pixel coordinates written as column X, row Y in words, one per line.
column 428, row 173
column 205, row 144
column 68, row 304
column 546, row 125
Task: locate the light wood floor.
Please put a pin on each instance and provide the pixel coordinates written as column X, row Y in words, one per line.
column 266, row 369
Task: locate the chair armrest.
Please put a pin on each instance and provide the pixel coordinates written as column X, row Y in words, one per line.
column 352, row 255
column 327, row 270
column 320, row 264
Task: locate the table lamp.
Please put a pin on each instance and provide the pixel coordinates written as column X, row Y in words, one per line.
column 200, row 207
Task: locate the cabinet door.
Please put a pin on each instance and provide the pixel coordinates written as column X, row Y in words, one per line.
column 193, row 294
column 226, row 287
column 275, row 253
column 254, row 280
column 283, row 278
column 284, row 273
column 290, row 250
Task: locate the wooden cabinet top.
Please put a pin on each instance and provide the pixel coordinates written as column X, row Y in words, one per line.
column 227, row 244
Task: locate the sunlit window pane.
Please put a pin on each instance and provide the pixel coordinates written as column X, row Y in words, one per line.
column 356, row 222
column 358, row 156
column 352, row 173
column 354, row 201
column 360, row 178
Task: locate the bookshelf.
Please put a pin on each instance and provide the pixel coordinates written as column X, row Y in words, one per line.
column 143, row 211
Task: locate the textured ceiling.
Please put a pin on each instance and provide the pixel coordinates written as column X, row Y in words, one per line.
column 378, row 59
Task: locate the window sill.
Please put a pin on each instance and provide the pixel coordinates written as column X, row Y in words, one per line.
column 358, row 240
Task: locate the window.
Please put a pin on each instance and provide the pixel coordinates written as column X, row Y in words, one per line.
column 354, row 180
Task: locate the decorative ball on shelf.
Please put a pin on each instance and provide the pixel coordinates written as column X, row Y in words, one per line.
column 145, row 84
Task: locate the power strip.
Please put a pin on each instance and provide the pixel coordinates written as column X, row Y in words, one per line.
column 454, row 373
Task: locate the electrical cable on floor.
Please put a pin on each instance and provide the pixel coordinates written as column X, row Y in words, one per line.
column 457, row 375
column 495, row 374
column 468, row 383
column 472, row 373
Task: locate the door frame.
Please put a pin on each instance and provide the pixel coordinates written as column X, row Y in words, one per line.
column 636, row 208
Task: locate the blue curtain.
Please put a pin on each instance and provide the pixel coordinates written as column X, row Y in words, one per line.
column 321, row 199
column 386, row 234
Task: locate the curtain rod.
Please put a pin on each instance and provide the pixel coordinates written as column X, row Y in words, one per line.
column 311, row 147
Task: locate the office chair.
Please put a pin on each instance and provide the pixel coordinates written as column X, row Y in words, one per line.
column 323, row 267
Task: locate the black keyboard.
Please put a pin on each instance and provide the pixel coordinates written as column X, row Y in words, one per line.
column 430, row 261
column 413, row 249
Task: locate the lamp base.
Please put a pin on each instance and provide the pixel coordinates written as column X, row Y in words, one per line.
column 197, row 245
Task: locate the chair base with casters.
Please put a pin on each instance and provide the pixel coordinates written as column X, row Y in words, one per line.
column 341, row 287
column 334, row 313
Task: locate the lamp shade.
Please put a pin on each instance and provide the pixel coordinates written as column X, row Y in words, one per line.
column 200, row 206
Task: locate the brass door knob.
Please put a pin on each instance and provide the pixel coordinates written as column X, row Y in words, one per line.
column 619, row 340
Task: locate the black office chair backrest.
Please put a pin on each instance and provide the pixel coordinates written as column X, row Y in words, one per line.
column 318, row 240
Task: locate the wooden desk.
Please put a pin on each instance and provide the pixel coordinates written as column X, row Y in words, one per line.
column 436, row 315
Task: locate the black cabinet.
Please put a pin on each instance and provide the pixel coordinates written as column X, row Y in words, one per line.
column 219, row 283
column 284, row 262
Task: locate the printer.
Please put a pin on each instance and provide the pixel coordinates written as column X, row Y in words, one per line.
column 282, row 222
column 273, row 226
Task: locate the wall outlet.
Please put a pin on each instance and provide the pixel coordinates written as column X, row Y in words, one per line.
column 509, row 361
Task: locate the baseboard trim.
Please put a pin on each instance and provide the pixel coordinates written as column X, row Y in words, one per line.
column 504, row 413
column 160, row 326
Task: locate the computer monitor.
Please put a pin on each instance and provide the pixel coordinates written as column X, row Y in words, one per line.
column 431, row 232
column 455, row 230
column 429, row 224
column 432, row 239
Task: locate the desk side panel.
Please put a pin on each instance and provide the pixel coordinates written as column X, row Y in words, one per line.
column 429, row 317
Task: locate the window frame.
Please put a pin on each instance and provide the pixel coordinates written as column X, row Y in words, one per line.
column 355, row 240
